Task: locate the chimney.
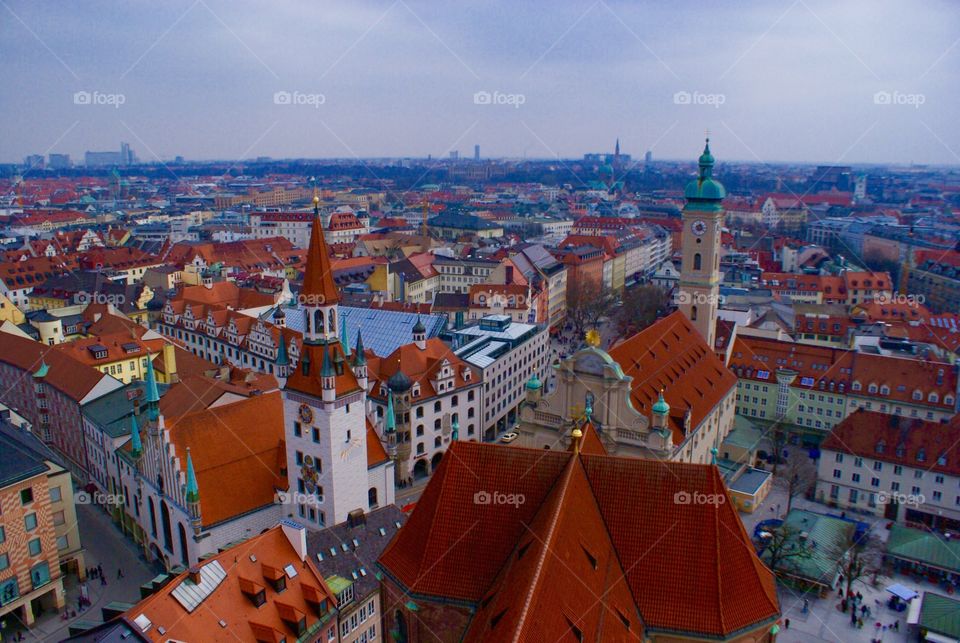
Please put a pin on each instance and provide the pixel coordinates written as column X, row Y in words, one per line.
column 170, row 363
column 297, row 535
column 193, row 575
column 356, row 518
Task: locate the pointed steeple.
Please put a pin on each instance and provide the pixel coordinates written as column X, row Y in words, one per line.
column 318, row 287
column 390, row 423
column 283, row 359
column 136, row 445
column 344, row 340
column 193, row 490
column 359, row 359
column 326, row 368
column 153, row 394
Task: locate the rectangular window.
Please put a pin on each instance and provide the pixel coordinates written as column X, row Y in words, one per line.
column 63, row 542
column 316, row 435
column 26, row 496
column 34, row 547
column 5, row 560
column 55, row 494
column 30, row 522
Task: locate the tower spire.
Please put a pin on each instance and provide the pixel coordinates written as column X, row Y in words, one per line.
column 193, row 490
column 153, row 394
column 136, row 445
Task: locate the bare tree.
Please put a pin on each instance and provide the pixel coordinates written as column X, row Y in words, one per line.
column 783, row 548
column 796, row 475
column 863, row 558
column 588, row 303
column 641, row 307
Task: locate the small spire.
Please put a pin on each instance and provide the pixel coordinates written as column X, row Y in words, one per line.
column 344, row 340
column 282, row 358
column 43, row 370
column 713, row 455
column 326, row 368
column 153, row 394
column 359, row 359
column 390, row 424
column 455, row 427
column 193, row 490
column 136, row 445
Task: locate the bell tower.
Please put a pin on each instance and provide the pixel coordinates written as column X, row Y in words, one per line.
column 700, row 269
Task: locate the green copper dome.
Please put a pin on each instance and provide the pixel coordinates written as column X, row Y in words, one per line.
column 660, row 407
column 534, row 383
column 705, row 188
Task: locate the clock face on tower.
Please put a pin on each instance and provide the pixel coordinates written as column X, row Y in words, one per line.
column 698, row 227
column 306, row 414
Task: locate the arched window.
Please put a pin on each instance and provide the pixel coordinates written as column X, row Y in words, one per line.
column 167, row 529
column 697, row 261
column 372, row 497
column 693, row 313
column 153, row 518
column 332, row 321
column 318, row 321
column 184, row 558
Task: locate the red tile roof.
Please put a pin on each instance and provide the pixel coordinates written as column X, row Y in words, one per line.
column 901, row 441
column 236, row 451
column 230, row 603
column 688, row 568
column 671, row 355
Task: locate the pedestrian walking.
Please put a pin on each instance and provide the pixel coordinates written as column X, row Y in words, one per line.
column 99, row 569
column 119, row 573
column 806, row 605
column 103, row 580
column 786, row 623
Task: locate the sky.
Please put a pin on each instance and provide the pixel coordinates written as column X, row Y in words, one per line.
column 871, row 81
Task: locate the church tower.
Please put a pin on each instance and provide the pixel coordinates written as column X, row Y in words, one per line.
column 319, row 295
column 324, row 406
column 700, row 269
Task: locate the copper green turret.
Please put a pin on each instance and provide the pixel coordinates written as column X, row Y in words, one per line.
column 390, row 423
column 136, row 445
column 153, row 394
column 193, row 490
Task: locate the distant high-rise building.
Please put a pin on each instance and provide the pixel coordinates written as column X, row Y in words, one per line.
column 648, row 157
column 454, row 155
column 124, row 157
column 476, row 152
column 59, row 161
column 34, row 162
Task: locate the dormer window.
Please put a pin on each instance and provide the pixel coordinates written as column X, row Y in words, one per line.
column 856, row 386
column 872, row 389
column 900, row 450
column 921, row 456
column 884, row 390
column 917, row 395
column 933, row 398
column 881, row 445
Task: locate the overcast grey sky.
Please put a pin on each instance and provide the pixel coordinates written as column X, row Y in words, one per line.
column 773, row 81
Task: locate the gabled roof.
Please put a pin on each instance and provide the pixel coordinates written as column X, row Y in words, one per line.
column 236, row 449
column 689, row 568
column 671, row 355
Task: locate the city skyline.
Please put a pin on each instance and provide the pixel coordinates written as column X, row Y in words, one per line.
column 804, row 83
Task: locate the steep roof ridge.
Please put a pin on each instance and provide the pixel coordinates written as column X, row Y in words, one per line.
column 560, row 489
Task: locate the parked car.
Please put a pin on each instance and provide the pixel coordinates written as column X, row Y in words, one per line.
column 509, row 437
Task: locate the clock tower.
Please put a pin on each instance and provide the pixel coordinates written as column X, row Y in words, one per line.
column 700, row 269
